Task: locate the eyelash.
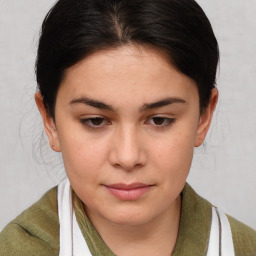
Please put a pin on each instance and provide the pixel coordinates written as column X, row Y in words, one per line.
column 167, row 122
column 88, row 122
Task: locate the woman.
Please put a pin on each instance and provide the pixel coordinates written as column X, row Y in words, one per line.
column 126, row 90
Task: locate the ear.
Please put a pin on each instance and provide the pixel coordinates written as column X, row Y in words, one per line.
column 205, row 119
column 49, row 124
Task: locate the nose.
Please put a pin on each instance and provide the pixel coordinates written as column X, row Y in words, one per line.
column 127, row 150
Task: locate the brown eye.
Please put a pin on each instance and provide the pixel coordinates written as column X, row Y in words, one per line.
column 95, row 122
column 159, row 120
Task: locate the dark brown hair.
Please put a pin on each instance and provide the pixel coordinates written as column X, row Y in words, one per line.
column 73, row 29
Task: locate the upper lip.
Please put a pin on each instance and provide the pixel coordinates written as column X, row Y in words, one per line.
column 128, row 186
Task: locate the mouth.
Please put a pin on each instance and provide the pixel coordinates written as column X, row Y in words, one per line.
column 128, row 192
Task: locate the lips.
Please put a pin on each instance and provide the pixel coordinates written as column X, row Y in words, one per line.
column 128, row 186
column 128, row 192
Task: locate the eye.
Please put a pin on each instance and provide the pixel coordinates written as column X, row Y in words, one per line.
column 95, row 122
column 159, row 121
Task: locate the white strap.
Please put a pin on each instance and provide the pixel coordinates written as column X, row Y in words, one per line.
column 226, row 236
column 220, row 242
column 72, row 242
column 65, row 216
column 80, row 247
column 213, row 248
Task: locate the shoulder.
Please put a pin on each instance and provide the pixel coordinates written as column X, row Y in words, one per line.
column 35, row 231
column 244, row 238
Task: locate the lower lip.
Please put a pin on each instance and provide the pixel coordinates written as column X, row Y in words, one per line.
column 129, row 194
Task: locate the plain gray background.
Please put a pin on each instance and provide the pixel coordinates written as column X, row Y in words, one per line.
column 223, row 171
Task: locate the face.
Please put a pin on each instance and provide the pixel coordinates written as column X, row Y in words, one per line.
column 126, row 123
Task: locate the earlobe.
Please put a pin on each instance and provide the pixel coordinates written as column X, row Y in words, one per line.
column 49, row 124
column 205, row 119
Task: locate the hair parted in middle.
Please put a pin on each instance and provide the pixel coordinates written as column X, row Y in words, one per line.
column 74, row 29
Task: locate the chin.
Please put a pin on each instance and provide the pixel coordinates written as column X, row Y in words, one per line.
column 129, row 222
column 129, row 218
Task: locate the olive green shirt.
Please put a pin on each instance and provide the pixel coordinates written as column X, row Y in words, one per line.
column 36, row 230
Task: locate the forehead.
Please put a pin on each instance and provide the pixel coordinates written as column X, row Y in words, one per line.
column 130, row 73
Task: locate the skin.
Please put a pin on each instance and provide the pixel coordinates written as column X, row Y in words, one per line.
column 131, row 141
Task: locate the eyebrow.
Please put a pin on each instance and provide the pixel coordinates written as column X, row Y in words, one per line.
column 161, row 103
column 146, row 106
column 92, row 103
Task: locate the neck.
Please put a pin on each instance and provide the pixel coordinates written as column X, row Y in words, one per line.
column 156, row 237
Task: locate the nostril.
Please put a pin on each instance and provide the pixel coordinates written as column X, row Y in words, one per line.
column 128, row 168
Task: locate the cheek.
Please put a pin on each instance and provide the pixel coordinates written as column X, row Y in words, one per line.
column 83, row 164
column 83, row 156
column 174, row 156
